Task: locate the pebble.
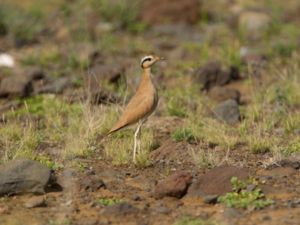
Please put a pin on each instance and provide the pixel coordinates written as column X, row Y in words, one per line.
column 36, row 201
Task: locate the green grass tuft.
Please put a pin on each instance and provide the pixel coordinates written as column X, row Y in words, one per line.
column 240, row 197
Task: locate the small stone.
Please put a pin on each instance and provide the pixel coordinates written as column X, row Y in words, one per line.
column 137, row 198
column 211, row 199
column 266, row 218
column 92, row 183
column 56, row 87
column 6, row 60
column 228, row 111
column 37, row 201
column 163, row 210
column 121, row 209
column 175, row 185
column 294, row 203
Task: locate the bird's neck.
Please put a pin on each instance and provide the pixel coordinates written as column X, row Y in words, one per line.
column 147, row 73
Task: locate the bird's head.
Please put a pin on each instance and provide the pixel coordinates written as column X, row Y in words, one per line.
column 149, row 60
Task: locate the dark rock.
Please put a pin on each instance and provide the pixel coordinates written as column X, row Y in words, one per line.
column 212, row 74
column 207, row 74
column 92, row 183
column 56, row 87
column 16, row 86
column 285, row 163
column 211, row 199
column 223, row 93
column 175, row 185
column 103, row 97
column 294, row 203
column 228, row 111
column 36, row 201
column 137, row 198
column 99, row 74
column 96, row 79
column 35, row 74
column 96, row 58
column 24, row 176
column 174, row 11
column 121, row 209
column 217, row 181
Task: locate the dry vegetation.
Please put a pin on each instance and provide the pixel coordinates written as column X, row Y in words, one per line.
column 54, row 128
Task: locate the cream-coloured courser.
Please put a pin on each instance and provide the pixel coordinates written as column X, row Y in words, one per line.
column 142, row 104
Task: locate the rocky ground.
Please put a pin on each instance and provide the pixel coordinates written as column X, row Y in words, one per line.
column 229, row 107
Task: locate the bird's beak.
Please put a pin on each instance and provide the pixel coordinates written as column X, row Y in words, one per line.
column 160, row 58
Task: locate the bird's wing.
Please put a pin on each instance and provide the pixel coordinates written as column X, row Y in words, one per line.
column 138, row 107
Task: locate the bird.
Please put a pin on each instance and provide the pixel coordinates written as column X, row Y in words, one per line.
column 142, row 104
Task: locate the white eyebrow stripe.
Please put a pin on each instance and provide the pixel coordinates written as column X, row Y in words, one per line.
column 146, row 57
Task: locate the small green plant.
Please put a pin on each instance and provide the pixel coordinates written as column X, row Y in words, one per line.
column 183, row 134
column 240, row 197
column 259, row 145
column 109, row 201
column 188, row 220
column 51, row 164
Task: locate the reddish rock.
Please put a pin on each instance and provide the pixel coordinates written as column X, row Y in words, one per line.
column 171, row 11
column 217, row 181
column 175, row 185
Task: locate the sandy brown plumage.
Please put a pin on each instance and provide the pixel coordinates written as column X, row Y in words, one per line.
column 142, row 104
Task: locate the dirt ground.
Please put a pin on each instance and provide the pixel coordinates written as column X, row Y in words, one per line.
column 85, row 181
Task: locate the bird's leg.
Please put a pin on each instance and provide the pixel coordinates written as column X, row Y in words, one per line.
column 139, row 138
column 136, row 134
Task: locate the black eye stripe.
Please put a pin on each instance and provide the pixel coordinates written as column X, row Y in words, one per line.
column 147, row 59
